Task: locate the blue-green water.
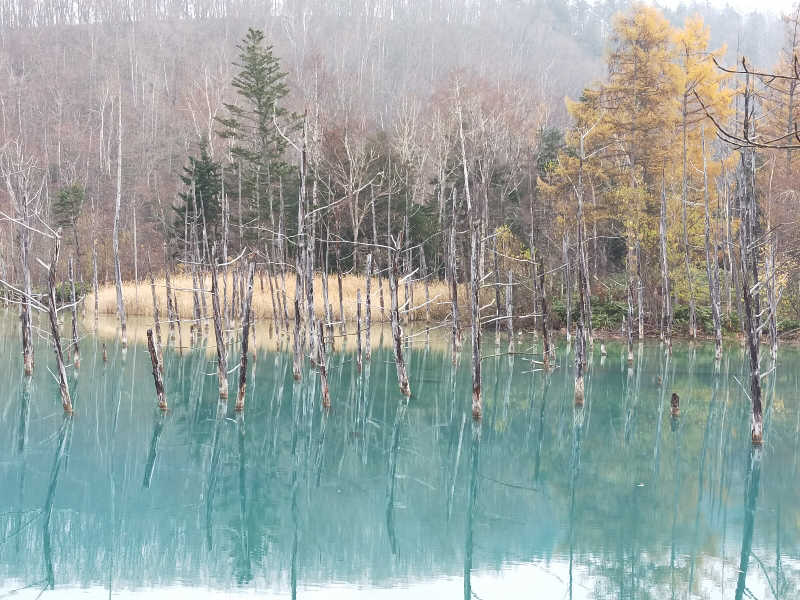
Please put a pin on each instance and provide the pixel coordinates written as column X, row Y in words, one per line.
column 378, row 500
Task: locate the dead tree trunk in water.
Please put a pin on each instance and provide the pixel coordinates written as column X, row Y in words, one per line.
column 157, row 370
column 25, row 304
column 359, row 360
column 171, row 309
column 66, row 400
column 497, row 286
column 222, row 361
column 156, row 315
column 76, row 353
column 323, row 369
column 95, row 283
column 639, row 290
column 397, row 332
column 375, row 242
column 368, row 311
column 712, row 266
column 475, row 261
column 749, row 261
column 424, row 268
column 17, row 172
column 667, row 299
column 545, row 314
column 123, row 321
column 537, row 278
column 245, row 333
column 629, row 322
column 580, row 344
column 475, row 284
column 509, row 310
column 297, row 362
column 453, row 276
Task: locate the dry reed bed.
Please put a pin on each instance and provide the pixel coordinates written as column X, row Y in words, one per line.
column 139, row 301
column 263, row 336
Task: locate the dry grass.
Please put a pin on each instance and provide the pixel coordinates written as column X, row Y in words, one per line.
column 263, row 336
column 139, row 302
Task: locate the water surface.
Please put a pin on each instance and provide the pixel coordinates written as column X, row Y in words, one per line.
column 376, row 499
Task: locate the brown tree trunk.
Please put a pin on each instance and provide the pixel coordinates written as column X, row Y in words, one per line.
column 246, row 317
column 63, row 385
column 157, row 370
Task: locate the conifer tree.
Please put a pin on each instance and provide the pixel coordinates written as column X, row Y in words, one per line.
column 257, row 124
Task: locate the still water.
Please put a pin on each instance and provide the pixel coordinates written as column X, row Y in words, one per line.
column 376, row 499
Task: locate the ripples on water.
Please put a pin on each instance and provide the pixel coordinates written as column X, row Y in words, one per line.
column 379, row 500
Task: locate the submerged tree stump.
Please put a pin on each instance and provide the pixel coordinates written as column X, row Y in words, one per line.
column 157, row 370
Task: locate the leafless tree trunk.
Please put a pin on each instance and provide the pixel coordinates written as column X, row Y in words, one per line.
column 425, row 277
column 629, row 322
column 297, row 364
column 667, row 299
column 66, row 400
column 475, row 276
column 323, row 369
column 368, row 313
column 712, row 268
column 123, row 321
column 246, row 317
column 222, row 360
column 158, row 368
column 17, row 171
column 453, row 276
column 359, row 359
column 684, row 200
column 156, row 315
column 497, row 301
column 168, row 284
column 95, row 284
column 76, row 353
column 397, row 333
column 375, row 242
column 639, row 289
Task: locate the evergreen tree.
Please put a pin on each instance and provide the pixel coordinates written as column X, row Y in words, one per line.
column 202, row 194
column 66, row 211
column 257, row 145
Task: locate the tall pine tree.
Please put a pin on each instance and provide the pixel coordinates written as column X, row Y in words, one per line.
column 252, row 126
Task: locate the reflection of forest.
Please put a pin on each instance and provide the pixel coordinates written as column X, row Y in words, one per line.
column 636, row 505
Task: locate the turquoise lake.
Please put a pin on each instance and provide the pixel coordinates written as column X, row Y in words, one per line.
column 379, row 499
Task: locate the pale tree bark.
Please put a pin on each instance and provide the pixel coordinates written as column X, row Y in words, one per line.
column 95, row 285
column 453, row 276
column 76, row 353
column 667, row 298
column 156, row 315
column 748, row 246
column 510, row 309
column 397, row 332
column 368, row 312
column 684, row 201
column 359, row 357
column 123, row 321
column 222, row 359
column 246, row 318
column 712, row 267
column 18, row 173
column 475, row 275
column 63, row 385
